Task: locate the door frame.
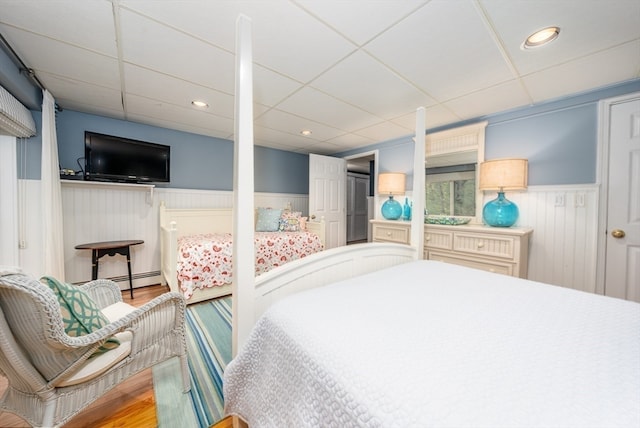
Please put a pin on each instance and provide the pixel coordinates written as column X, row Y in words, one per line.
column 602, row 180
column 371, row 199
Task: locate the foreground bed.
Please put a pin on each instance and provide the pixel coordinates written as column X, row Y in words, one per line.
column 431, row 344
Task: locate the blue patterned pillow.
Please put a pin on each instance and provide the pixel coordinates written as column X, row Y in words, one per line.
column 80, row 314
column 268, row 220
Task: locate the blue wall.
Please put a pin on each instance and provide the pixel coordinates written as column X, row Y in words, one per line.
column 559, row 138
column 197, row 161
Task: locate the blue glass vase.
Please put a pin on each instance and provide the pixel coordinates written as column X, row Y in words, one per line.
column 500, row 212
column 391, row 209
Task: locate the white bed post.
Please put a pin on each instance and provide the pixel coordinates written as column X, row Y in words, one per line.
column 417, row 214
column 243, row 210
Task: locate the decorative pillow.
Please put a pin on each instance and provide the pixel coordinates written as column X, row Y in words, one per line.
column 80, row 314
column 268, row 220
column 303, row 223
column 290, row 221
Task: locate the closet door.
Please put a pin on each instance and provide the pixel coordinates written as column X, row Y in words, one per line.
column 357, row 207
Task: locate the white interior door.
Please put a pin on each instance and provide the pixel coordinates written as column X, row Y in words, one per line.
column 622, row 271
column 328, row 196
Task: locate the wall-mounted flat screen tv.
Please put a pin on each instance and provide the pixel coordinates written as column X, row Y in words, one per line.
column 117, row 159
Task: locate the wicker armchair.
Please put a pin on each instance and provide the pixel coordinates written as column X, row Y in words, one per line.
column 51, row 375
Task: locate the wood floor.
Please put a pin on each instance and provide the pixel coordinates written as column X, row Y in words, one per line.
column 130, row 404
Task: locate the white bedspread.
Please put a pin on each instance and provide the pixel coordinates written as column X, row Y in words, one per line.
column 427, row 344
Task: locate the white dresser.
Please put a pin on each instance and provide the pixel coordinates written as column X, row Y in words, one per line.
column 494, row 249
column 397, row 231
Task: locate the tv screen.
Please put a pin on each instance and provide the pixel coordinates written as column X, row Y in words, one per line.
column 109, row 158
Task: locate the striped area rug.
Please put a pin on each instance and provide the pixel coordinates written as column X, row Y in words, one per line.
column 209, row 351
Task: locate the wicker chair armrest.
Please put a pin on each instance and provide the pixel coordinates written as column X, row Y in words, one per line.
column 162, row 315
column 103, row 291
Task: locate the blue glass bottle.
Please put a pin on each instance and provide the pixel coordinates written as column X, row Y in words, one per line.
column 406, row 210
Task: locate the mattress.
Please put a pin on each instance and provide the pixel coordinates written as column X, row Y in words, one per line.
column 205, row 260
column 428, row 344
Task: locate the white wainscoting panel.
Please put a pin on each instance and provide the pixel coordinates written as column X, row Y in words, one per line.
column 103, row 212
column 565, row 226
column 562, row 252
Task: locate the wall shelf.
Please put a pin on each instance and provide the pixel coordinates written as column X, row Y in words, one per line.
column 105, row 184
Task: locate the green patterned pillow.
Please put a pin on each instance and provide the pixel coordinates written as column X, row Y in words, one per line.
column 80, row 314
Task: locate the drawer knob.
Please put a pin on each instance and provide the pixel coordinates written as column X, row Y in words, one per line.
column 388, row 233
column 428, row 238
column 480, row 244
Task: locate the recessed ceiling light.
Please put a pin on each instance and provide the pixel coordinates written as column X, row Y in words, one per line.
column 200, row 104
column 541, row 37
column 306, row 132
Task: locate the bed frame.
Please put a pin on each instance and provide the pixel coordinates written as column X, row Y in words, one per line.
column 177, row 222
column 252, row 295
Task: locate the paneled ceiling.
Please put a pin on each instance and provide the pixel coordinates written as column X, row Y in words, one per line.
column 351, row 71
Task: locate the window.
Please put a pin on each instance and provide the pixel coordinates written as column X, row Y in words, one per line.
column 451, row 190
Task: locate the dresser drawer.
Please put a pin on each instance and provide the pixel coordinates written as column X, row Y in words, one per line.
column 438, row 239
column 502, row 247
column 489, row 266
column 391, row 234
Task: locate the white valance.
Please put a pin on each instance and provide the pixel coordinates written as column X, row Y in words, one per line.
column 15, row 119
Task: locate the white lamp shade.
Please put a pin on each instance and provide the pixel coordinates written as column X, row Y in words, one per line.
column 391, row 183
column 503, row 174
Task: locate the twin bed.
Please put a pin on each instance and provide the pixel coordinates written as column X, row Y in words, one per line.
column 196, row 249
column 369, row 335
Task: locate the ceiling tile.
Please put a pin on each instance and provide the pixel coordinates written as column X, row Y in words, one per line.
column 361, row 20
column 87, row 24
column 74, row 93
column 383, row 92
column 585, row 28
column 350, row 141
column 50, row 56
column 434, row 116
column 324, row 148
column 172, row 114
column 270, row 88
column 283, row 138
column 151, row 45
column 327, row 110
column 498, row 98
column 292, row 124
column 571, row 77
column 385, row 131
column 153, row 85
column 445, row 49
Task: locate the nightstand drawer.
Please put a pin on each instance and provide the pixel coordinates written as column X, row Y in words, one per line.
column 489, row 266
column 391, row 234
column 481, row 244
column 438, row 239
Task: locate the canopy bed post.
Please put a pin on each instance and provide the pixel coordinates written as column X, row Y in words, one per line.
column 243, row 225
column 417, row 213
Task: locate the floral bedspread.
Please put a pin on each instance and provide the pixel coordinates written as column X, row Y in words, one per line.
column 205, row 260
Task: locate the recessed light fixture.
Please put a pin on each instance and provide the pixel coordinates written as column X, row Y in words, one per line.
column 541, row 37
column 200, row 104
column 306, row 132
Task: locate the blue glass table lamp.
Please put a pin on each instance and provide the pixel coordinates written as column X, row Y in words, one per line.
column 392, row 184
column 501, row 175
